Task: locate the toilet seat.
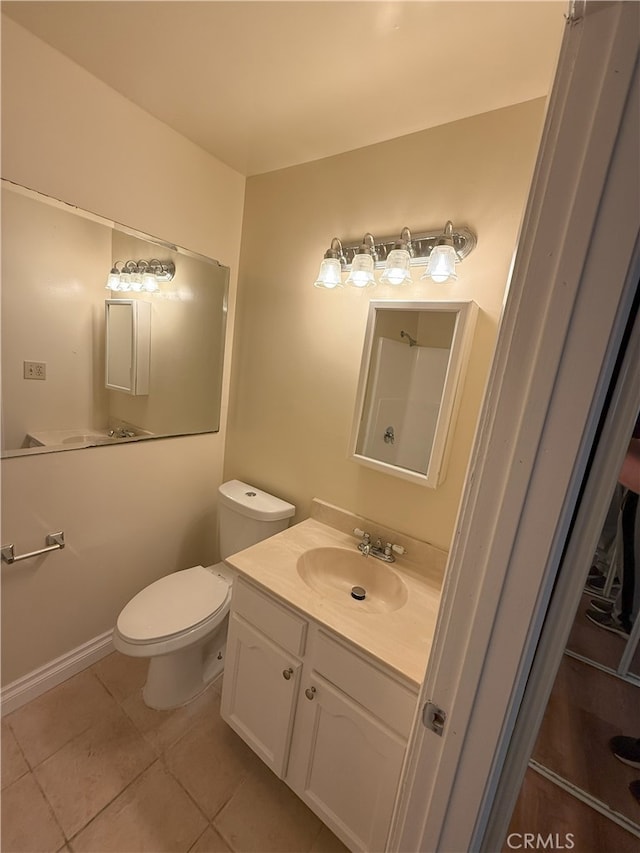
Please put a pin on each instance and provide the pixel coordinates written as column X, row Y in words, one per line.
column 174, row 605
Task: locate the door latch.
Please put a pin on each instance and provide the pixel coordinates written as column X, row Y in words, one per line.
column 434, row 718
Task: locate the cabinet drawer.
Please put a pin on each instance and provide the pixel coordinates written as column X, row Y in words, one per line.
column 388, row 699
column 276, row 621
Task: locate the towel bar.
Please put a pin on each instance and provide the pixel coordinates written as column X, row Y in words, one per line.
column 55, row 542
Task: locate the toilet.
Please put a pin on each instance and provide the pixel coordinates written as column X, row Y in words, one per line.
column 180, row 621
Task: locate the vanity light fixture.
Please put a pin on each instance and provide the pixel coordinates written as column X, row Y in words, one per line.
column 363, row 264
column 139, row 276
column 398, row 266
column 330, row 274
column 439, row 250
column 443, row 258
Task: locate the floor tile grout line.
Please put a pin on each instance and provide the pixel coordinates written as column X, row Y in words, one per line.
column 104, row 684
column 199, row 838
column 179, row 783
column 9, row 717
column 21, row 751
column 210, row 820
column 14, row 781
column 94, row 726
column 146, row 734
column 219, row 829
column 71, row 838
column 224, row 838
column 50, row 807
column 229, row 798
column 160, row 753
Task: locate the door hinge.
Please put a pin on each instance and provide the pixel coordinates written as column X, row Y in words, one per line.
column 434, row 718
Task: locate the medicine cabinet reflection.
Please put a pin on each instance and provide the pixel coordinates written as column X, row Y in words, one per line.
column 162, row 376
column 413, row 365
column 128, row 343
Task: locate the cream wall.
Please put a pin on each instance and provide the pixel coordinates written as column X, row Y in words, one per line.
column 130, row 513
column 297, row 348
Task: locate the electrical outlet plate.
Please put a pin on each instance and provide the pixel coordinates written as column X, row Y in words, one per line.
column 35, row 370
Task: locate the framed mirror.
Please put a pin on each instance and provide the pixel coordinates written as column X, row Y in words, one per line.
column 58, row 362
column 413, row 364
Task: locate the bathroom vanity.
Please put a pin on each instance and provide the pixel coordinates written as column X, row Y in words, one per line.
column 322, row 689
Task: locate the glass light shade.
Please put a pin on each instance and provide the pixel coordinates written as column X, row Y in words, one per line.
column 330, row 274
column 149, row 283
column 398, row 268
column 125, row 281
column 113, row 280
column 442, row 264
column 361, row 274
column 136, row 281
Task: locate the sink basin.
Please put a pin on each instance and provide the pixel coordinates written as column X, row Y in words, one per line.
column 87, row 438
column 334, row 572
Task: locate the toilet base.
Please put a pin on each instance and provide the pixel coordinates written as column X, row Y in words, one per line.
column 175, row 679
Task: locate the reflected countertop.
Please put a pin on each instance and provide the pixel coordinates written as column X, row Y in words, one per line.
column 400, row 638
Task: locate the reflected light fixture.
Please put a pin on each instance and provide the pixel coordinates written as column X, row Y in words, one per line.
column 439, row 250
column 113, row 279
column 139, row 276
column 363, row 264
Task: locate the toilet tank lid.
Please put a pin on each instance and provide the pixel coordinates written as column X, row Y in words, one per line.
column 254, row 503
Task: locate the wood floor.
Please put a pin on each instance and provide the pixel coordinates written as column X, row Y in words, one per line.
column 586, row 708
column 544, row 809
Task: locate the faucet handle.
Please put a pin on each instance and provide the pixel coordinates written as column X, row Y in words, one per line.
column 358, row 532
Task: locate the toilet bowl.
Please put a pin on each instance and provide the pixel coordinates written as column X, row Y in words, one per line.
column 180, row 621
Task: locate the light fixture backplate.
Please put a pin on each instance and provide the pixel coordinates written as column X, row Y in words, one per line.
column 422, row 243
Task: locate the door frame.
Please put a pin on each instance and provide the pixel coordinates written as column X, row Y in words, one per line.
column 568, row 301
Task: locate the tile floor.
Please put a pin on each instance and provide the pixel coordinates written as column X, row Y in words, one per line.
column 88, row 767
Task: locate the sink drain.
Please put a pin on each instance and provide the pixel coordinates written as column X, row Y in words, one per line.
column 359, row 593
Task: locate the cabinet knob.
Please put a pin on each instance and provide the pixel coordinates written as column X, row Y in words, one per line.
column 310, row 692
column 287, row 673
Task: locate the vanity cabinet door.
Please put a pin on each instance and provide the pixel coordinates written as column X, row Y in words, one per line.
column 259, row 693
column 345, row 764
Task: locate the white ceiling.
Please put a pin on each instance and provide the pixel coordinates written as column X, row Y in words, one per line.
column 263, row 85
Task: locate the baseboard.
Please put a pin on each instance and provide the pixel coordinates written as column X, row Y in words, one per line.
column 35, row 683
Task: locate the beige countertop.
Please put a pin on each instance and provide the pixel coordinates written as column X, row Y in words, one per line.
column 399, row 638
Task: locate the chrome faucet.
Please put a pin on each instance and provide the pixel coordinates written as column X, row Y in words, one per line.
column 365, row 546
column 380, row 551
column 121, row 432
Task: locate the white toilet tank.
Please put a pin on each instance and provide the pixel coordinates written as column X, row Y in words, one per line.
column 247, row 515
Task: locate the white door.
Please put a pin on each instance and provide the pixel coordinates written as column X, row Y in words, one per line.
column 570, row 296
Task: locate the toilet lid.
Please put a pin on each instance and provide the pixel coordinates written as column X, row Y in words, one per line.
column 173, row 604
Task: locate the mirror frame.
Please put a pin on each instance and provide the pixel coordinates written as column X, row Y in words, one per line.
column 466, row 314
